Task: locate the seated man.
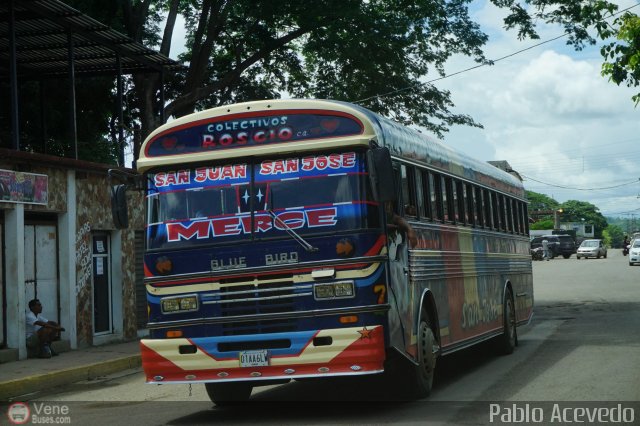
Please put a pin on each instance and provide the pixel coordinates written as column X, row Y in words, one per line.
column 40, row 331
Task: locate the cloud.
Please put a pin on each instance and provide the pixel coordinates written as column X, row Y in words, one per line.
column 550, row 113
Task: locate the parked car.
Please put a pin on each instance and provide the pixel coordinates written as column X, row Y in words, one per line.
column 634, row 252
column 592, row 248
column 553, row 247
column 567, row 245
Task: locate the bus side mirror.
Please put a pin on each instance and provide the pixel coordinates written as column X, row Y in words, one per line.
column 119, row 209
column 381, row 174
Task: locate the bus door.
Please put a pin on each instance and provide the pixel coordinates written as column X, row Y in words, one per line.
column 398, row 247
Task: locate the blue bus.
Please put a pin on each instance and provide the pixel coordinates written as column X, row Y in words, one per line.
column 291, row 239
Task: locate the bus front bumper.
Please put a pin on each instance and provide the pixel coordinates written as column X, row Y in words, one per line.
column 317, row 353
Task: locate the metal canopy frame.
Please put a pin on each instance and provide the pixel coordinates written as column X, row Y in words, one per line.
column 48, row 39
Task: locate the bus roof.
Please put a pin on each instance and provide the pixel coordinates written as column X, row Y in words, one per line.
column 274, row 127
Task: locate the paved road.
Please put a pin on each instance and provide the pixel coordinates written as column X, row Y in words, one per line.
column 582, row 345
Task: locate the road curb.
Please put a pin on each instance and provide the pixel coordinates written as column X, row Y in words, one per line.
column 15, row 388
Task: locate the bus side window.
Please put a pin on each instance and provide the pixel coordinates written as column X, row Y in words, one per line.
column 420, row 193
column 451, row 199
column 480, row 207
column 397, row 178
column 408, row 191
column 495, row 210
column 488, row 205
column 503, row 212
column 512, row 215
column 431, row 209
column 461, row 205
column 470, row 196
column 518, row 217
column 441, row 198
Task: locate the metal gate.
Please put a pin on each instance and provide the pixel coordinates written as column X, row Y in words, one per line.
column 41, row 267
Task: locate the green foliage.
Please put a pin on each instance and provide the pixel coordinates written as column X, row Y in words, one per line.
column 339, row 49
column 576, row 211
column 613, row 235
column 539, row 201
column 542, row 224
column 45, row 118
column 377, row 53
column 574, row 16
column 622, row 58
column 629, row 225
column 572, row 211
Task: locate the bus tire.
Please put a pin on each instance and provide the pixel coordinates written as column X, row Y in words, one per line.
column 225, row 394
column 509, row 338
column 422, row 375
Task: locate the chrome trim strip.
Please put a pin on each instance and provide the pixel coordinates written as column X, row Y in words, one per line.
column 281, row 269
column 257, row 290
column 255, row 299
column 263, row 317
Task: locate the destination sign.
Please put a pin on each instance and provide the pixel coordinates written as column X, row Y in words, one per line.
column 239, row 131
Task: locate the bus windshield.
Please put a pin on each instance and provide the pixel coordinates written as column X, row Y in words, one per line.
column 236, row 202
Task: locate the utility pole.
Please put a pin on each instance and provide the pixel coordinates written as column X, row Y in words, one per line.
column 556, row 219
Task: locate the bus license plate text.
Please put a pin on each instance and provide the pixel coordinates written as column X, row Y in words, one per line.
column 254, row 358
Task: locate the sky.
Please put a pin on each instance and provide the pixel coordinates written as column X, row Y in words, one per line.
column 548, row 112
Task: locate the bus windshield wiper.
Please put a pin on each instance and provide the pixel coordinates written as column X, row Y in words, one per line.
column 308, row 247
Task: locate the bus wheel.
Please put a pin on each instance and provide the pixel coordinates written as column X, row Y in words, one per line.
column 509, row 338
column 224, row 394
column 427, row 355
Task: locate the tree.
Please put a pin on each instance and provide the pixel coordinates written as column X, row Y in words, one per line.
column 379, row 51
column 582, row 211
column 614, row 235
column 624, row 54
column 539, row 208
column 542, row 224
column 539, row 201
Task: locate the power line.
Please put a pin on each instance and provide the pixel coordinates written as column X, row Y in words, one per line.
column 580, row 189
column 490, row 62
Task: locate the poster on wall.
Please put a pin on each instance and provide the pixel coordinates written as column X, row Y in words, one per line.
column 21, row 187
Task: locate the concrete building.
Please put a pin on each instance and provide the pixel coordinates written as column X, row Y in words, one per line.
column 59, row 245
column 57, row 238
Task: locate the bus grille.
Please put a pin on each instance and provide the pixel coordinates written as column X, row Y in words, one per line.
column 247, row 296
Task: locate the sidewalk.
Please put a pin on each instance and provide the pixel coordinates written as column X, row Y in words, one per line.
column 19, row 378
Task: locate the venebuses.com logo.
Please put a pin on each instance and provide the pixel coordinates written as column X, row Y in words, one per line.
column 20, row 413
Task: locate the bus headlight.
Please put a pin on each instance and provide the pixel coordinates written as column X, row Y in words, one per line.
column 337, row 290
column 172, row 305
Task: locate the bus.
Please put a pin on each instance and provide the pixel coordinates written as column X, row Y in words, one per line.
column 290, row 239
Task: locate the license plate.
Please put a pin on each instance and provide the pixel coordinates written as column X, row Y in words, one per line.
column 254, row 358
